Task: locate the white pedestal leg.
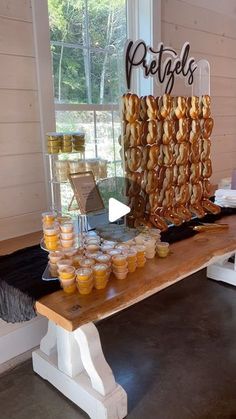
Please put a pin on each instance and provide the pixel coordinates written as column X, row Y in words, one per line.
column 223, row 271
column 74, row 363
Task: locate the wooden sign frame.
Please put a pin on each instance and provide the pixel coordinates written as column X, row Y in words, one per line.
column 85, row 188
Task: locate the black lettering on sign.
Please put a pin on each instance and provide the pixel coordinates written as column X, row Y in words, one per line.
column 164, row 63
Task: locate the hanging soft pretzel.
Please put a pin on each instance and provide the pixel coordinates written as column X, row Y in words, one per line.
column 183, row 175
column 145, row 157
column 195, row 151
column 182, row 132
column 168, row 128
column 206, row 186
column 151, row 181
column 180, row 107
column 131, row 107
column 195, row 130
column 143, row 108
column 135, row 133
column 154, row 152
column 206, row 148
column 195, row 107
column 195, row 169
column 134, row 158
column 144, row 133
column 166, row 105
column 138, row 204
column 152, row 132
column 134, row 184
column 158, row 222
column 183, row 153
column 195, row 200
column 207, row 127
column 152, row 107
column 206, row 106
column 168, row 180
column 168, row 157
column 206, row 168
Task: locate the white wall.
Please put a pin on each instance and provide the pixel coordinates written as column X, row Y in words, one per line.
column 210, row 27
column 22, row 183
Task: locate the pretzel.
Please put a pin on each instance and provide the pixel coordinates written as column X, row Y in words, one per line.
column 206, row 185
column 152, row 108
column 152, row 132
column 183, row 212
column 143, row 108
column 195, row 130
column 134, row 158
column 135, row 133
column 195, row 169
column 197, row 192
column 144, row 133
column 182, row 175
column 155, row 200
column 180, row 107
column 161, row 176
column 158, row 222
column 131, row 107
column 194, row 111
column 207, row 127
column 206, row 106
column 188, row 104
column 206, row 168
column 134, row 184
column 145, row 157
column 168, row 180
column 171, row 217
column 206, row 146
column 168, row 131
column 151, row 181
column 182, row 130
column 210, row 206
column 168, row 156
column 154, row 151
column 183, row 153
column 195, row 151
column 138, row 204
column 166, row 105
column 197, row 210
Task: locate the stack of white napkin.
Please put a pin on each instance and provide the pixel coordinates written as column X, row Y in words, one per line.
column 226, row 198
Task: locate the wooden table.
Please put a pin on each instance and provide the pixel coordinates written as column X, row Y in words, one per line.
column 70, row 355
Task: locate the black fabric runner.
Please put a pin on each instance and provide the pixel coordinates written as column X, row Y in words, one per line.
column 21, row 272
column 21, row 283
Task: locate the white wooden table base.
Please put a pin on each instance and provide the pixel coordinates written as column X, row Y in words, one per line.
column 223, row 270
column 74, row 363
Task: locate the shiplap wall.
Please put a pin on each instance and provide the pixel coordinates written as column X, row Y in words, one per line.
column 22, row 183
column 210, row 27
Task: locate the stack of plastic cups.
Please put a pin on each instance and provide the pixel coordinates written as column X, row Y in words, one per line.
column 67, row 235
column 76, row 260
column 105, row 260
column 51, row 237
column 66, row 143
column 150, row 248
column 54, row 258
column 67, row 279
column 141, row 258
column 84, row 280
column 120, row 266
column 100, row 276
column 87, row 263
column 132, row 260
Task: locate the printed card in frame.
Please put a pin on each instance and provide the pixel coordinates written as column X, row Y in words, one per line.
column 86, row 192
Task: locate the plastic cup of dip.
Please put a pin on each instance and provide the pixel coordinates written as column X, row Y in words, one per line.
column 67, row 227
column 104, row 259
column 67, row 272
column 140, row 249
column 54, row 257
column 119, row 260
column 84, row 274
column 48, row 217
column 87, row 263
column 92, row 248
column 121, row 275
column 67, row 243
column 67, row 236
column 64, row 263
column 163, row 249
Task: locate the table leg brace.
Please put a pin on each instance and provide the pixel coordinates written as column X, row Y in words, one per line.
column 74, row 363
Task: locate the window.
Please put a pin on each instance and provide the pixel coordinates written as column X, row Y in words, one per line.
column 87, row 41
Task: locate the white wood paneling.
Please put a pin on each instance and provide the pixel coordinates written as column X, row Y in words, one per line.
column 21, row 169
column 20, row 225
column 22, row 199
column 16, row 9
column 18, row 139
column 16, row 37
column 23, row 78
column 18, row 106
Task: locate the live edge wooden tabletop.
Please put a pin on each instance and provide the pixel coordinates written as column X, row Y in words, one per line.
column 187, row 256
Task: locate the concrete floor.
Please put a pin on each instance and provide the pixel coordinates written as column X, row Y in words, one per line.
column 174, row 353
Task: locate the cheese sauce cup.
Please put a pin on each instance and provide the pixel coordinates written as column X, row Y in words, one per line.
column 163, row 249
column 67, row 272
column 87, row 263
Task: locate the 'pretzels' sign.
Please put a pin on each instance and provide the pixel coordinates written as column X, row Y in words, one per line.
column 164, row 63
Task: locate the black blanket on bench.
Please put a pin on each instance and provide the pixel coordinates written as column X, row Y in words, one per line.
column 21, row 283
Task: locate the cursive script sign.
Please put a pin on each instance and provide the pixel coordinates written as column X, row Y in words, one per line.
column 164, row 63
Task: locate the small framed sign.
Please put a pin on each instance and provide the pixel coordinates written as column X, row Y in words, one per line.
column 86, row 192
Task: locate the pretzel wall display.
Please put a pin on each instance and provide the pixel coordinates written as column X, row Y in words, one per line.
column 166, row 143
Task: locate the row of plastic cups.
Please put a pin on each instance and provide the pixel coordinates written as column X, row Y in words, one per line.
column 67, row 279
column 141, row 255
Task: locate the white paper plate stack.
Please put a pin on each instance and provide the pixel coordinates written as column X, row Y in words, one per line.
column 226, row 198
